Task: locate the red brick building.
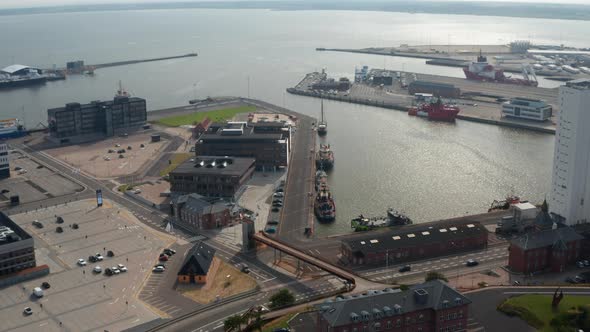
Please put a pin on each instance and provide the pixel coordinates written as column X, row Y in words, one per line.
column 196, row 265
column 549, row 249
column 429, row 307
column 413, row 243
column 201, row 127
column 199, row 212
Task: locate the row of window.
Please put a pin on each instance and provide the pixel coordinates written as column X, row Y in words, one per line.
column 451, row 315
column 458, row 327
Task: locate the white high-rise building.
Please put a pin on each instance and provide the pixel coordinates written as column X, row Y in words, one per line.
column 4, row 165
column 570, row 188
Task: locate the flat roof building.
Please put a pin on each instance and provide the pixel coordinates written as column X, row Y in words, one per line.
column 97, row 118
column 267, row 142
column 432, row 306
column 17, row 247
column 4, row 162
column 212, row 176
column 413, row 243
column 526, row 108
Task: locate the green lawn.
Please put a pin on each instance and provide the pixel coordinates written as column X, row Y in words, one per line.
column 176, row 160
column 215, row 116
column 536, row 309
column 278, row 323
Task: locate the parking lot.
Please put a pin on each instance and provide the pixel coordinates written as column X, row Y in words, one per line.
column 79, row 299
column 33, row 182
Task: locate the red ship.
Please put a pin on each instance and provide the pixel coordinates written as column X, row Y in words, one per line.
column 481, row 70
column 436, row 110
column 324, row 206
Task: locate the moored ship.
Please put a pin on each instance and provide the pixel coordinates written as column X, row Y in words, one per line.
column 324, row 157
column 481, row 70
column 393, row 218
column 11, row 128
column 322, row 125
column 324, row 206
column 19, row 75
column 321, row 179
column 435, row 110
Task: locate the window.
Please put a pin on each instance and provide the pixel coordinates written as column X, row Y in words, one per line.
column 389, row 325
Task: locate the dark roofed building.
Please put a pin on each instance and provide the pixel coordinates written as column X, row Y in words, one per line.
column 543, row 220
column 413, row 242
column 197, row 264
column 267, row 142
column 17, row 247
column 549, row 249
column 432, row 306
column 198, row 212
column 201, row 127
column 211, row 176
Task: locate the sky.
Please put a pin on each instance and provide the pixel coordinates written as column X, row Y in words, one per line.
column 37, row 3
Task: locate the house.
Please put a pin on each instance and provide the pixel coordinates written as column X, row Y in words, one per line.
column 197, row 264
column 429, row 307
column 199, row 212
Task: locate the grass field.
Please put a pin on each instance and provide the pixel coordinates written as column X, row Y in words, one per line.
column 239, row 282
column 177, row 159
column 215, row 116
column 280, row 322
column 536, row 309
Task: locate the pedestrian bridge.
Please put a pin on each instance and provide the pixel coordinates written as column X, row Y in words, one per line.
column 309, row 259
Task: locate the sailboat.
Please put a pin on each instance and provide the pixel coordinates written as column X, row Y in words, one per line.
column 323, row 125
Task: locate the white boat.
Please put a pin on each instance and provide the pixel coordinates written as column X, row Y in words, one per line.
column 570, row 69
column 584, row 70
column 11, row 128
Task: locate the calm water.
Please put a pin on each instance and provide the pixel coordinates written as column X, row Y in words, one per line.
column 383, row 158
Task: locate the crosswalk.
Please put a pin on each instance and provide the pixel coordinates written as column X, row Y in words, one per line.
column 149, row 295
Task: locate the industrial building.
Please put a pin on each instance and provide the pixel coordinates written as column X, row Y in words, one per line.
column 17, row 247
column 269, row 143
column 4, row 162
column 198, row 212
column 211, row 176
column 525, row 108
column 438, row 89
column 570, row 194
column 197, row 265
column 381, row 77
column 432, row 306
column 20, row 70
column 549, row 249
column 413, row 243
column 343, row 84
column 98, row 118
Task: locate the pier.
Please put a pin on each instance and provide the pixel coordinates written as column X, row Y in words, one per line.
column 91, row 68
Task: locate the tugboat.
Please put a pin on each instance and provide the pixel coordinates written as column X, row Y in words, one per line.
column 394, row 218
column 436, row 110
column 322, row 125
column 324, row 157
column 321, row 179
column 324, row 206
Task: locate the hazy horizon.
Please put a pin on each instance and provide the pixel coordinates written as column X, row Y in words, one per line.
column 18, row 4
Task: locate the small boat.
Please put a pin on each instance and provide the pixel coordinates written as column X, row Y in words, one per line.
column 505, row 203
column 321, row 178
column 393, row 218
column 322, row 125
column 324, row 157
column 324, row 206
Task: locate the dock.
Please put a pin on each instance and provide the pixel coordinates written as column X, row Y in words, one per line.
column 91, row 68
column 479, row 101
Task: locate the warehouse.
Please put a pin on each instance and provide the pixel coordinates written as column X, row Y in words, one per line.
column 413, row 243
column 437, row 89
column 17, row 248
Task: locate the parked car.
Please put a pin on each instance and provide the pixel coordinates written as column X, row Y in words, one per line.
column 277, row 201
column 110, row 253
column 163, row 258
column 158, row 269
column 279, row 194
column 276, row 209
column 273, row 222
column 277, row 204
column 279, row 190
column 108, row 271
column 38, row 292
column 405, row 268
column 570, row 280
column 579, row 279
column 81, row 262
column 97, row 269
column 137, row 191
column 169, row 251
column 580, row 264
column 37, row 224
column 245, row 268
column 586, row 262
column 115, row 270
column 471, row 262
column 92, row 259
column 28, row 311
column 122, row 267
column 45, row 285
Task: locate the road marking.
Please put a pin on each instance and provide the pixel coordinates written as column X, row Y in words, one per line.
column 43, row 324
column 534, row 292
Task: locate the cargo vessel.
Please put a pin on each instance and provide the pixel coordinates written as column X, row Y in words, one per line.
column 11, row 128
column 324, row 206
column 393, row 218
column 324, row 157
column 435, row 110
column 481, row 70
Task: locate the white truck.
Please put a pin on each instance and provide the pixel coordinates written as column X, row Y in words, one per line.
column 38, row 292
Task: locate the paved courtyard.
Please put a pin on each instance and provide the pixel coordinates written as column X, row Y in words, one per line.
column 80, row 300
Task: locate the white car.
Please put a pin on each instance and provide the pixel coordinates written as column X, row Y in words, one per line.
column 158, row 269
column 97, row 269
column 279, row 195
column 137, row 191
column 81, row 262
column 28, row 311
column 122, row 267
column 115, row 270
column 99, row 257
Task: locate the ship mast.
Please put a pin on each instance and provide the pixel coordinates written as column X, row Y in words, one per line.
column 322, row 108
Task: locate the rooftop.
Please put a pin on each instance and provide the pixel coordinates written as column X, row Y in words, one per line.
column 13, row 69
column 10, row 231
column 414, row 236
column 92, row 104
column 546, row 238
column 198, row 260
column 199, row 204
column 434, row 294
column 581, row 84
column 221, row 165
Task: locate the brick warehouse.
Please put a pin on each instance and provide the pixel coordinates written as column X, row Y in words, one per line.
column 429, row 307
column 413, row 243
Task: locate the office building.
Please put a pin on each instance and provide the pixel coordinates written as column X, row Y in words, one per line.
column 525, row 108
column 429, row 307
column 570, row 187
column 413, row 243
column 267, row 142
column 4, row 162
column 211, row 176
column 17, row 248
column 96, row 119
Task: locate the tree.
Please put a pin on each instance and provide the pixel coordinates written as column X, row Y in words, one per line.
column 255, row 320
column 282, row 298
column 232, row 323
column 433, row 275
